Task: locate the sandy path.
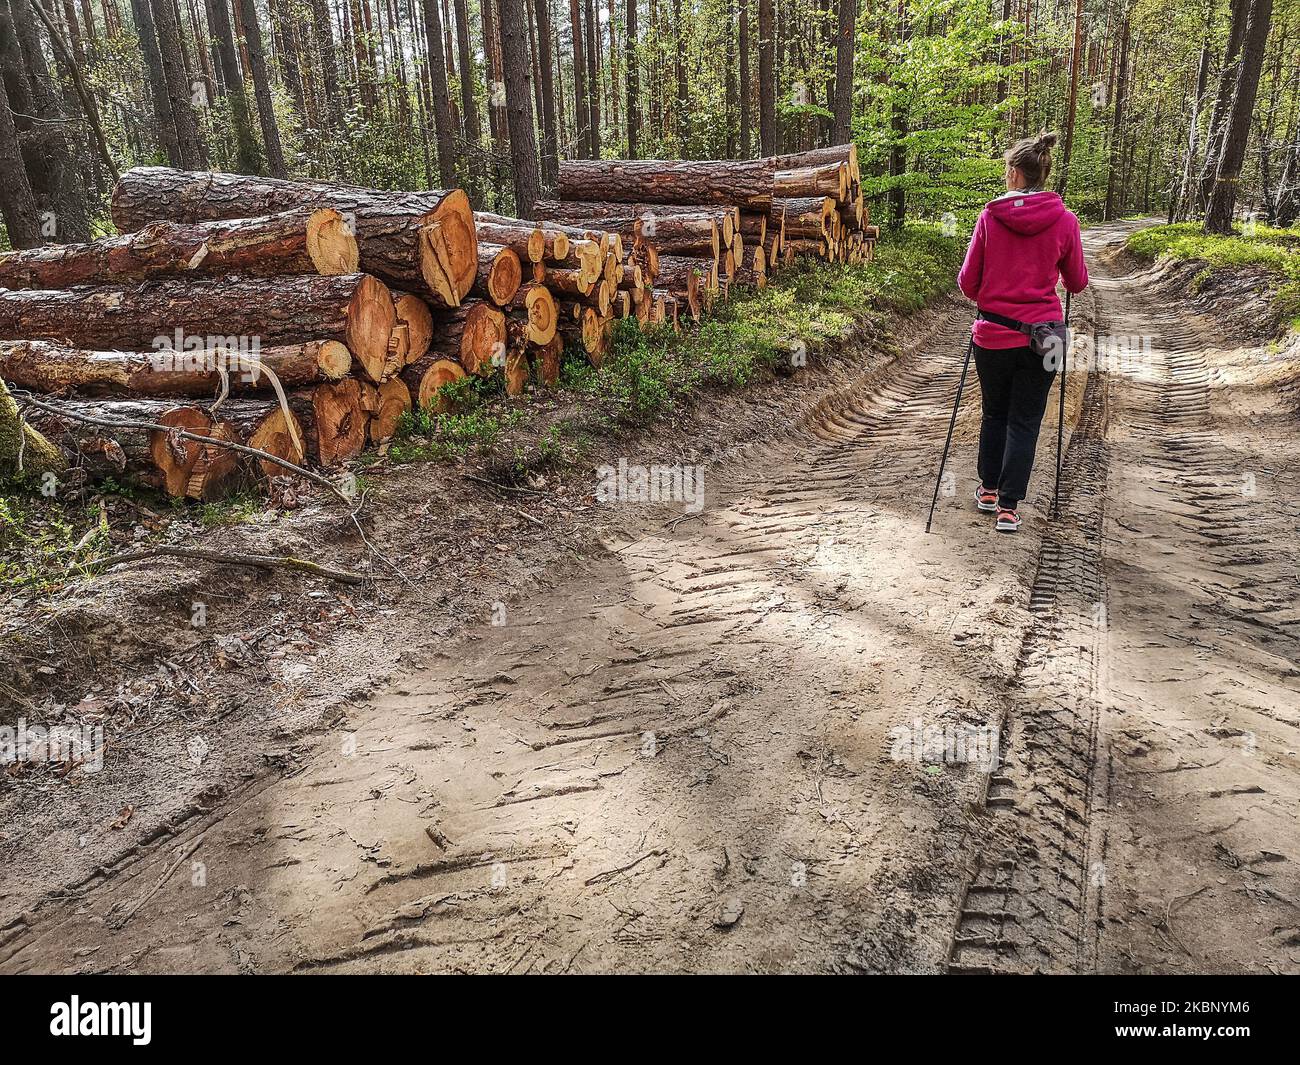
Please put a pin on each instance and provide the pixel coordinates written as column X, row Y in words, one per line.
column 1146, row 816
column 682, row 760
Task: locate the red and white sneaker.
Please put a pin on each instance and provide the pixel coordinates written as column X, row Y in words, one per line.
column 1008, row 520
column 986, row 499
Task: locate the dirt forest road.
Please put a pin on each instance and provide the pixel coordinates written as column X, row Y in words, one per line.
column 702, row 755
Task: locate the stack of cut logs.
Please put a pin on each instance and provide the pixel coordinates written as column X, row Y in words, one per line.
column 302, row 318
column 697, row 228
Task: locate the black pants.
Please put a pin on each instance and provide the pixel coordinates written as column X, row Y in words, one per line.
column 1015, row 387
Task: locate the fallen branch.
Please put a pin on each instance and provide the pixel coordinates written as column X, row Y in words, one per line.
column 236, row 559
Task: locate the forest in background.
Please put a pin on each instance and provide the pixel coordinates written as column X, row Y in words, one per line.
column 1158, row 105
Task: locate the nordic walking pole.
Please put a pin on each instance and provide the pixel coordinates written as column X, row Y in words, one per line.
column 1060, row 418
column 961, row 386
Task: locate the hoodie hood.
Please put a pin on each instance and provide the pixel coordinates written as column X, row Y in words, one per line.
column 1027, row 213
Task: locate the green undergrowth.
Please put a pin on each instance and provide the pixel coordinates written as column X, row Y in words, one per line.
column 650, row 371
column 44, row 544
column 1268, row 249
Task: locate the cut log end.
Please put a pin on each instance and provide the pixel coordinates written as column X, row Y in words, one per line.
column 393, row 400
column 340, row 421
column 543, row 316
column 334, row 360
column 456, row 218
column 442, row 372
column 371, row 317
column 331, row 243
column 504, row 276
column 414, row 313
column 482, row 340
column 174, row 456
column 280, row 436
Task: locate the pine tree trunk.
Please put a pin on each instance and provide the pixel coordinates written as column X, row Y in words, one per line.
column 468, row 104
column 745, row 90
column 65, row 193
column 17, row 203
column 550, row 127
column 178, row 85
column 439, row 97
column 1223, row 98
column 1117, row 128
column 767, row 144
column 729, row 84
column 320, row 17
column 631, row 59
column 519, row 105
column 262, row 91
column 841, row 130
column 165, row 124
column 593, row 80
column 1223, row 196
column 581, row 116
column 246, row 154
column 1184, row 198
column 1063, row 180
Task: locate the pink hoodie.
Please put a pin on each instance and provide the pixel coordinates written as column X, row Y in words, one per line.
column 1021, row 243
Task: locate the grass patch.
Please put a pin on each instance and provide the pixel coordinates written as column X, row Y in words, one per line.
column 1276, row 251
column 40, row 549
column 809, row 304
column 234, row 510
column 1272, row 250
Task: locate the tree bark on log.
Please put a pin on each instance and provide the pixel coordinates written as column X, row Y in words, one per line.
column 392, row 228
column 524, row 238
column 828, row 179
column 683, row 276
column 588, row 210
column 41, row 366
column 835, row 153
column 299, row 241
column 673, row 233
column 353, row 309
column 805, row 216
column 745, row 183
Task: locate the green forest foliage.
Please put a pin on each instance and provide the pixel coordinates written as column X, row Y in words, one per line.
column 940, row 87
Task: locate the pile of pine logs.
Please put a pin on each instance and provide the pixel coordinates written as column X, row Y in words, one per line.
column 303, row 318
column 706, row 226
column 281, row 316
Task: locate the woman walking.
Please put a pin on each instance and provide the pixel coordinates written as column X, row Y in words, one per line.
column 1023, row 242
